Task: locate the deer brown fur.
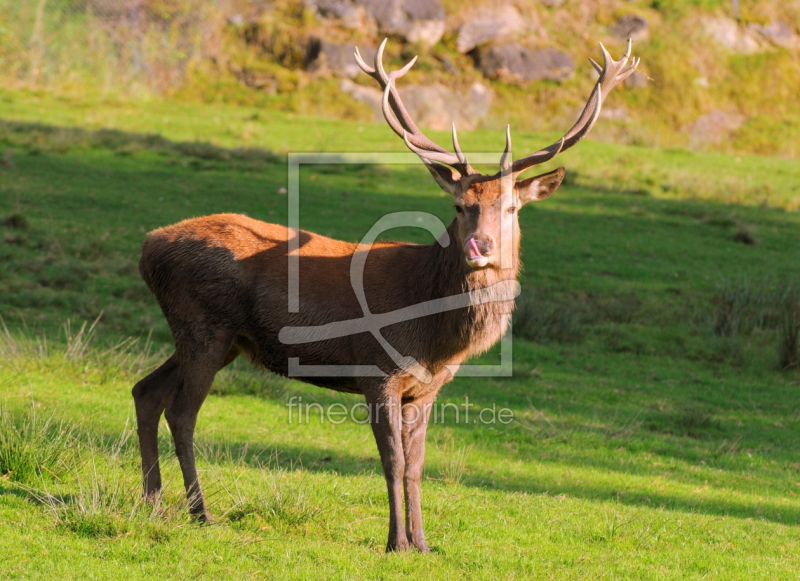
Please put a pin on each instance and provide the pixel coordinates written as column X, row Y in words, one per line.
column 222, row 284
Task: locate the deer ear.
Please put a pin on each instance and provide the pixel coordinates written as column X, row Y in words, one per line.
column 444, row 176
column 539, row 187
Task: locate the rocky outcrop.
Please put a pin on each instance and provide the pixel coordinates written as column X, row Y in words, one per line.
column 728, row 33
column 420, row 21
column 486, row 23
column 518, row 64
column 348, row 12
column 433, row 106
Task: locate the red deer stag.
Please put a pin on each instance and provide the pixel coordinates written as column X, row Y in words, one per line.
column 222, row 284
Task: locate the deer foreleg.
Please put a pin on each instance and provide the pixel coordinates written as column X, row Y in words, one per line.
column 385, row 416
column 415, row 426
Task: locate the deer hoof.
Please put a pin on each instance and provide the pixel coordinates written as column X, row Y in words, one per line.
column 418, row 542
column 397, row 546
column 203, row 518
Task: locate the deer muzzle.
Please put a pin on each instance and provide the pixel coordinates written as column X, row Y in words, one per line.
column 478, row 251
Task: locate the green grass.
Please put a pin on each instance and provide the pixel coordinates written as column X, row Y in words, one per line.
column 646, row 443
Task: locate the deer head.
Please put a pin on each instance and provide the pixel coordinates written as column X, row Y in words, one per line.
column 486, row 205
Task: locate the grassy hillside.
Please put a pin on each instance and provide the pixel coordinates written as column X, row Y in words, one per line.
column 199, row 51
column 655, row 387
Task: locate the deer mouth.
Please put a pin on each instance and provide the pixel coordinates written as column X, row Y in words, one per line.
column 475, row 259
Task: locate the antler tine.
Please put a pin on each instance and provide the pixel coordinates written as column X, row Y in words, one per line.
column 606, row 56
column 379, row 61
column 361, row 63
column 395, row 113
column 459, row 154
column 400, row 121
column 505, row 160
column 445, row 158
column 630, row 70
column 611, row 74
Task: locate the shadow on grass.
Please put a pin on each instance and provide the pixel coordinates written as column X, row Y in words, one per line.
column 39, row 138
column 334, row 461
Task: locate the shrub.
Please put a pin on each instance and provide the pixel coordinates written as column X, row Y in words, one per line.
column 567, row 319
column 789, row 330
column 543, row 320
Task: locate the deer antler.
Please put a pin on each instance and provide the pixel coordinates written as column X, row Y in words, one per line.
column 400, row 121
column 611, row 74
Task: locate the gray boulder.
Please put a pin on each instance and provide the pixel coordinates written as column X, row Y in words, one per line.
column 421, row 21
column 630, row 26
column 488, row 22
column 728, row 33
column 777, row 33
column 348, row 12
column 336, row 59
column 518, row 64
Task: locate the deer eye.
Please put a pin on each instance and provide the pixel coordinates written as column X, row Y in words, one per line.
column 512, row 209
column 459, row 209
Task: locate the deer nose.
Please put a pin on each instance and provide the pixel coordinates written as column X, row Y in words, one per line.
column 478, row 246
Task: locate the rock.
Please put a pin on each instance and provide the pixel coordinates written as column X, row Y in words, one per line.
column 714, row 127
column 630, row 26
column 336, row 59
column 730, row 35
column 348, row 12
column 518, row 64
column 421, row 21
column 636, row 81
column 488, row 22
column 777, row 33
column 433, row 106
column 236, row 20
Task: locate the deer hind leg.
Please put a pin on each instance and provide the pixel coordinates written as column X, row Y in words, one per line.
column 385, row 420
column 198, row 367
column 415, row 426
column 151, row 395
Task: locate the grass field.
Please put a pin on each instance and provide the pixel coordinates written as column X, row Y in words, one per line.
column 656, row 395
